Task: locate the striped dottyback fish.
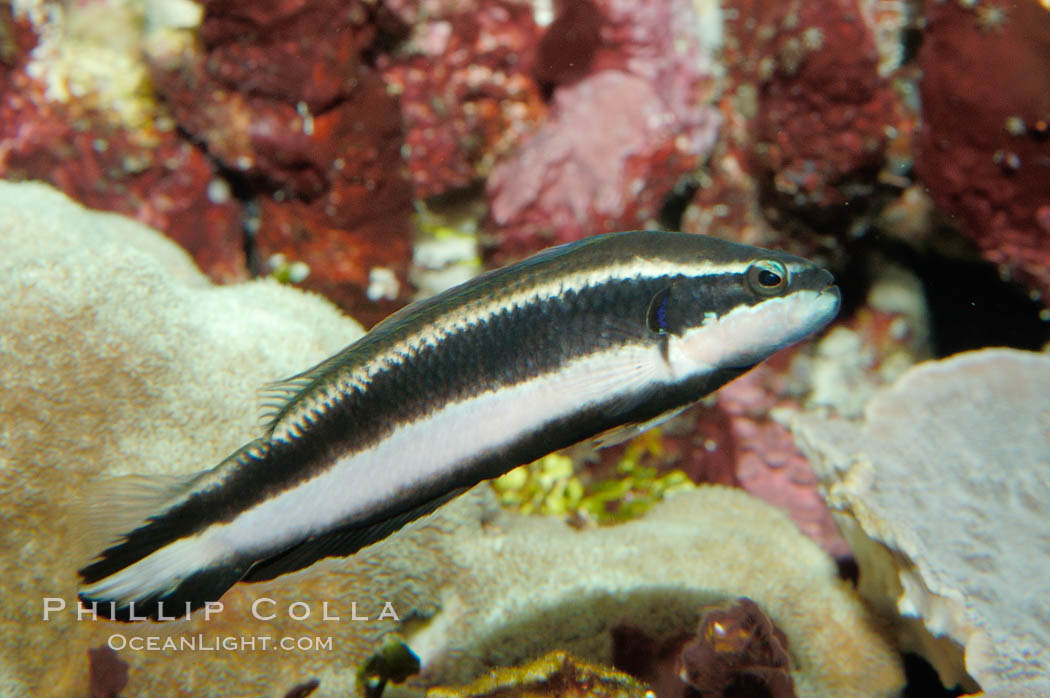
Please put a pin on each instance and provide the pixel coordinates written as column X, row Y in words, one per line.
column 598, row 338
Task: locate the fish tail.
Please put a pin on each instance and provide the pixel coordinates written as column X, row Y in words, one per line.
column 168, row 562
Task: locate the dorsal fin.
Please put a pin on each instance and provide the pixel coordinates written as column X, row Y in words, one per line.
column 274, row 397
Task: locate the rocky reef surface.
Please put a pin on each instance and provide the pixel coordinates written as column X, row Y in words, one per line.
column 984, row 145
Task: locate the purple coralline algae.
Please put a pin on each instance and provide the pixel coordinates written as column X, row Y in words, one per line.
column 615, row 142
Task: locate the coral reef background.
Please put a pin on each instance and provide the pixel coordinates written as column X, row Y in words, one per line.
column 376, row 151
column 313, row 132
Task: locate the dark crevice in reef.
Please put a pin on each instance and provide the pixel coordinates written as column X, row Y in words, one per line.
column 674, row 206
column 249, row 224
column 391, row 33
column 970, row 305
column 853, row 278
column 246, row 188
column 972, row 308
column 911, row 40
column 922, row 681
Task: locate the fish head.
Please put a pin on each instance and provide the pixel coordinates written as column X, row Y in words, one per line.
column 747, row 308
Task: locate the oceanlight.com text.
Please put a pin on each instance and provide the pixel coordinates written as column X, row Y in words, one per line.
column 227, row 643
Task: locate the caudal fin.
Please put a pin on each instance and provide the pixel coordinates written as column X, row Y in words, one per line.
column 165, row 566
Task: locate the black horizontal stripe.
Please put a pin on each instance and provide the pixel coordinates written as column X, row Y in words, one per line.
column 512, row 346
column 563, row 266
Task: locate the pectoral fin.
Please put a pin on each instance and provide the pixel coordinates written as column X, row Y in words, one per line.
column 626, row 432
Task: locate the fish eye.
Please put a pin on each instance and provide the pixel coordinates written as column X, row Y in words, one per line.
column 767, row 277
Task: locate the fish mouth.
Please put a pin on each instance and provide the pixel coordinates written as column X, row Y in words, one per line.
column 832, row 290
